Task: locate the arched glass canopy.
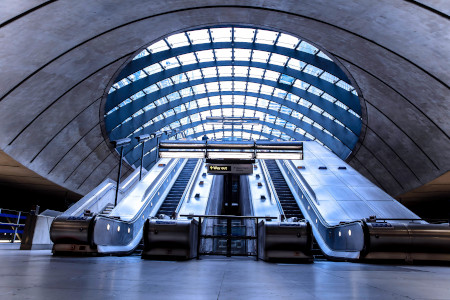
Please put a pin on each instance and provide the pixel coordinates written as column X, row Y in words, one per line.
column 290, row 90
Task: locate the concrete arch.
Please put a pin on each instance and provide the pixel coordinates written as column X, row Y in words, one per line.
column 58, row 59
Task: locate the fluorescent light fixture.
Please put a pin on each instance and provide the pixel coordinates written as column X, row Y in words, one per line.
column 229, row 155
column 182, row 154
column 278, row 155
column 143, row 138
column 121, row 142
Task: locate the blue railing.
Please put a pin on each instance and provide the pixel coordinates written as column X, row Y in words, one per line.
column 12, row 223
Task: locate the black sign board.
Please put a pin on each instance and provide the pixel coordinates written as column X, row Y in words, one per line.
column 240, row 169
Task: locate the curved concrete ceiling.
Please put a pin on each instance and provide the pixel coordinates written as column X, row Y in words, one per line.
column 59, row 58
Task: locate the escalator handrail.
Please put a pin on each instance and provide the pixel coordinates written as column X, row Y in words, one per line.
column 159, row 180
column 272, row 191
column 188, row 190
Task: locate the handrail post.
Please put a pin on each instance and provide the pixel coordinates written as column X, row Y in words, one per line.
column 118, row 177
column 199, row 233
column 142, row 161
column 228, row 237
column 257, row 238
column 17, row 226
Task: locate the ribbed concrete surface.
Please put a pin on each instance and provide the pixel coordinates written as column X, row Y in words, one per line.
column 58, row 58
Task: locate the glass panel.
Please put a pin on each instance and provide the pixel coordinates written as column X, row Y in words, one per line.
column 310, row 69
column 158, row 47
column 296, row 64
column 137, row 96
column 212, row 87
column 209, row 72
column 205, row 56
column 155, row 68
column 168, row 113
column 277, row 59
column 193, row 75
column 242, row 54
column 199, row 89
column 323, row 55
column 307, row 47
column 160, row 101
column 141, row 54
column 256, row 73
column 266, row 37
column 187, row 59
column 260, row 56
column 199, row 36
column 191, row 105
column 170, row 63
column 173, row 96
column 223, row 54
column 271, row 75
column 178, row 40
column 202, row 102
column 179, row 78
column 328, row 77
column 165, row 83
column 224, row 71
column 344, row 85
column 288, row 41
column 240, row 85
column 136, row 76
column 240, row 71
column 221, row 34
column 151, row 89
column 287, row 79
column 244, row 35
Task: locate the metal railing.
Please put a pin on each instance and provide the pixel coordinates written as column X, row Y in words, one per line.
column 228, row 236
column 12, row 223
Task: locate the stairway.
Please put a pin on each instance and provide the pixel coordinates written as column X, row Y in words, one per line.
column 107, row 210
column 287, row 200
column 173, row 198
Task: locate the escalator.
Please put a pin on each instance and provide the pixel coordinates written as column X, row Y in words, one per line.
column 287, row 200
column 116, row 229
column 176, row 192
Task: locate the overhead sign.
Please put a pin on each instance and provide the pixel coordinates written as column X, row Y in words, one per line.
column 240, row 169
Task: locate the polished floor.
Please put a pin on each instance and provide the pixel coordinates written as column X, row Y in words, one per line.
column 38, row 275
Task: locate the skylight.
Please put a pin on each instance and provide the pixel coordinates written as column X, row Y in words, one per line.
column 292, row 87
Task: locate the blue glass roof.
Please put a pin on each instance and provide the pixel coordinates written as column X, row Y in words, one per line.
column 294, row 89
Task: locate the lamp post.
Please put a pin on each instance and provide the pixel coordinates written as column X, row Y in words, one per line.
column 157, row 134
column 141, row 140
column 119, row 143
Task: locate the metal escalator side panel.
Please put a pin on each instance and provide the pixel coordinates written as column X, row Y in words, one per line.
column 407, row 241
column 343, row 242
column 290, row 241
column 72, row 230
column 170, row 239
column 113, row 235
